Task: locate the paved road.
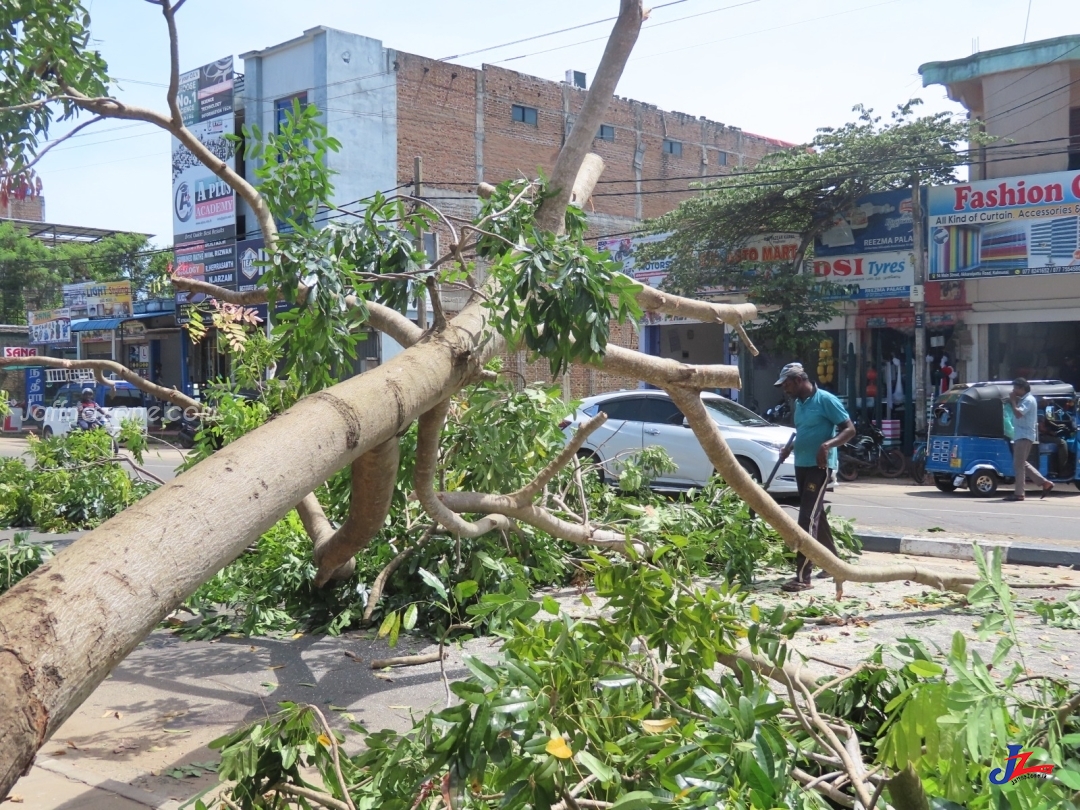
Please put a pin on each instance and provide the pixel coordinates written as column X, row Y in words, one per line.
column 159, row 460
column 903, row 506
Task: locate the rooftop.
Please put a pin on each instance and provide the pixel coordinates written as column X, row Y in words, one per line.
column 51, row 232
column 1002, row 60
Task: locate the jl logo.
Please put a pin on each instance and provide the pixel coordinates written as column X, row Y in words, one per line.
column 1016, row 767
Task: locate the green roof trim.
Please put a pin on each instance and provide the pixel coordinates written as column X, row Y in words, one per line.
column 1001, row 60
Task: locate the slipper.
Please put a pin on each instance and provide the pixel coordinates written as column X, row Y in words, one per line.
column 1047, row 487
column 822, row 575
column 795, row 585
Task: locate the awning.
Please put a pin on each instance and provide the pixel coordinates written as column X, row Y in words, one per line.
column 109, row 324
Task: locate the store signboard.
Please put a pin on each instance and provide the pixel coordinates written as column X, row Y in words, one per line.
column 20, row 351
column 771, row 248
column 212, row 261
column 250, row 255
column 49, row 326
column 98, row 299
column 867, row 253
column 1010, row 226
column 204, row 205
column 35, row 388
column 866, row 276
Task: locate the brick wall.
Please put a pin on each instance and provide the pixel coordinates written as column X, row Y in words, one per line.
column 31, row 209
column 460, row 121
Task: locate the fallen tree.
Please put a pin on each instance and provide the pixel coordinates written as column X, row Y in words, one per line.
column 63, row 628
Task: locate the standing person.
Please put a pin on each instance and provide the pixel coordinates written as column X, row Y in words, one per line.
column 1025, row 433
column 821, row 425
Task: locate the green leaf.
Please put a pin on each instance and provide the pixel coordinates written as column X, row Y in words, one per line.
column 469, row 692
column 409, row 622
column 925, row 669
column 466, row 589
column 634, row 800
column 1068, row 777
column 433, row 582
column 551, row 606
column 603, row 772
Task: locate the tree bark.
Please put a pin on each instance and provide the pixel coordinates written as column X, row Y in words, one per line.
column 64, row 628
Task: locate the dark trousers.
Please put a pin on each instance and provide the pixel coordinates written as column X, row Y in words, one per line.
column 812, row 483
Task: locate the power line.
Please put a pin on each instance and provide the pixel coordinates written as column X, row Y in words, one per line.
column 643, row 27
column 542, row 36
column 1031, row 101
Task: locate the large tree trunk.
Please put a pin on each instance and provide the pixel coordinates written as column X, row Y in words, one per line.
column 65, row 627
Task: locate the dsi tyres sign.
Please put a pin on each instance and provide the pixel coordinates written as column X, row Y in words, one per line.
column 1011, row 226
column 868, row 276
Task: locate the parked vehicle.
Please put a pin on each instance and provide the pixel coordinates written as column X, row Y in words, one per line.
column 780, row 413
column 918, row 463
column 867, row 452
column 967, row 445
column 642, row 418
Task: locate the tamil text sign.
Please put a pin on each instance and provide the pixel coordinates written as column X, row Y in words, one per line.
column 1012, row 226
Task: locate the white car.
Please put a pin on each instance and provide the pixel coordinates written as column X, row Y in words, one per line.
column 646, row 417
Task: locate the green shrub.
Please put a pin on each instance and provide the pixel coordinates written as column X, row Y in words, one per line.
column 20, row 558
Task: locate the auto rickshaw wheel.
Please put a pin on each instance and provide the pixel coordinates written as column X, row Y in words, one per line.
column 944, row 483
column 983, row 483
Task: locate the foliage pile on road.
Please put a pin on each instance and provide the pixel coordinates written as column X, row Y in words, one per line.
column 20, row 558
column 626, row 709
column 74, row 481
column 270, row 589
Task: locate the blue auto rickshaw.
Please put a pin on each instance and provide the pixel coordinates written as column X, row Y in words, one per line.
column 967, row 445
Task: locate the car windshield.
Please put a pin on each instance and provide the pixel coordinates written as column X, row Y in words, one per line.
column 726, row 412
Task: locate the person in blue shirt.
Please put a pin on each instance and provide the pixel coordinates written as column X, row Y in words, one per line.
column 821, row 425
column 1025, row 433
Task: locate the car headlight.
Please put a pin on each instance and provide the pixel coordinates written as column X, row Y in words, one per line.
column 777, row 446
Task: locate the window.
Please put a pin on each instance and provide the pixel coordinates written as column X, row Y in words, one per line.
column 525, row 115
column 721, row 158
column 631, row 409
column 431, row 247
column 727, row 413
column 661, row 411
column 673, row 147
column 286, row 104
column 606, row 133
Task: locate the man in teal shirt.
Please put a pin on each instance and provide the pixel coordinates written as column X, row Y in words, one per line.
column 821, row 425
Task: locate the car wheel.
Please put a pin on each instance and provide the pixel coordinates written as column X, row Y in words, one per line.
column 983, row 483
column 892, row 463
column 944, row 483
column 750, row 467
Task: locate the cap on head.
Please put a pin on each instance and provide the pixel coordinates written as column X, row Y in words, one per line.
column 88, row 392
column 792, row 371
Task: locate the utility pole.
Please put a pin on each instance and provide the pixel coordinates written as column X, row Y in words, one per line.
column 918, row 297
column 418, row 192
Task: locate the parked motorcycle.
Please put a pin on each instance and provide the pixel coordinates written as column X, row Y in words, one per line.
column 867, row 451
column 780, row 413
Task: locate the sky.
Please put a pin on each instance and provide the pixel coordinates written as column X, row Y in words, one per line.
column 780, row 68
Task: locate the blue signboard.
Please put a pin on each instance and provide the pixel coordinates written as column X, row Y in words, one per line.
column 35, row 389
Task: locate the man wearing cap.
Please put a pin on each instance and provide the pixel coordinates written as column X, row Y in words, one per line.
column 821, row 425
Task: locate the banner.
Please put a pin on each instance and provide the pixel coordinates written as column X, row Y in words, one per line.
column 866, row 254
column 35, row 389
column 98, row 299
column 1012, row 226
column 204, row 206
column 214, row 262
column 206, row 92
column 49, row 326
column 622, row 250
column 867, row 276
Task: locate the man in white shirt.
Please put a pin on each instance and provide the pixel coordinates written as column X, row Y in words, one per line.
column 1025, row 434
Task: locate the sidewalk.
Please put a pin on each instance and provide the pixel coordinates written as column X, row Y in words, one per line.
column 169, row 698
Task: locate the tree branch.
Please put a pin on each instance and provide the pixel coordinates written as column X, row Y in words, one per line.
column 552, row 211
column 99, row 367
column 57, row 142
column 372, row 489
column 380, row 581
column 174, row 63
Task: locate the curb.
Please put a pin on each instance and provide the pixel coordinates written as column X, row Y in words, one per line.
column 958, row 548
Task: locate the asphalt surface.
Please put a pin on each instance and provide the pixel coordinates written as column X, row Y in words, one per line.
column 901, row 506
column 159, row 460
